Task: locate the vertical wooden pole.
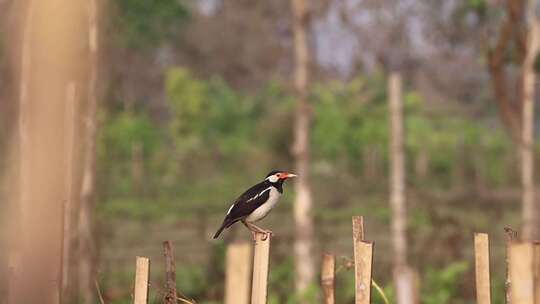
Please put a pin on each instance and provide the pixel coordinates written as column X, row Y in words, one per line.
column 87, row 192
column 71, row 119
column 260, row 268
column 363, row 260
column 537, row 273
column 481, row 255
column 170, row 273
column 328, row 278
column 358, row 227
column 238, row 272
column 142, row 273
column 521, row 273
column 510, row 236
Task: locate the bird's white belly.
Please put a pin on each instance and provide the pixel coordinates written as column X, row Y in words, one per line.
column 265, row 208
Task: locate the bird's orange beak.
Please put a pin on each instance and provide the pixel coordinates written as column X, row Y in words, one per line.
column 286, row 175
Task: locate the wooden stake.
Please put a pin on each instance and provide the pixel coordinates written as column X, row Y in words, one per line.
column 170, row 273
column 510, row 236
column 537, row 273
column 481, row 254
column 260, row 268
column 363, row 260
column 521, row 273
column 238, row 271
column 142, row 272
column 328, row 278
column 358, row 228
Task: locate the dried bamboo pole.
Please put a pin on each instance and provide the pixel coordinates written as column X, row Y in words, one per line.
column 260, row 268
column 521, row 273
column 238, row 273
column 363, row 261
column 70, row 108
column 510, row 236
column 142, row 273
column 358, row 227
column 170, row 273
column 328, row 278
column 481, row 254
column 536, row 272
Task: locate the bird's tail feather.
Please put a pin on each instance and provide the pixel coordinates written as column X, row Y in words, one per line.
column 226, row 224
column 219, row 231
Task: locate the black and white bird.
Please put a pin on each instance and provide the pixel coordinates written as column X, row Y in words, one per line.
column 255, row 204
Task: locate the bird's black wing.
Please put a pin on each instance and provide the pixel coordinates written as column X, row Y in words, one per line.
column 244, row 205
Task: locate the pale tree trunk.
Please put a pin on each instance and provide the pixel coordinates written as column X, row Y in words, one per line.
column 530, row 210
column 70, row 110
column 403, row 275
column 303, row 246
column 24, row 147
column 49, row 62
column 86, row 252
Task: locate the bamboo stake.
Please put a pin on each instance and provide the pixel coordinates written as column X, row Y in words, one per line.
column 260, row 268
column 510, row 236
column 363, row 260
column 521, row 273
column 328, row 278
column 358, row 227
column 481, row 254
column 170, row 273
column 537, row 273
column 142, row 272
column 238, row 273
column 68, row 203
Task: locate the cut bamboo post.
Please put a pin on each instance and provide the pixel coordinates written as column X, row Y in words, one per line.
column 238, row 273
column 363, row 261
column 358, row 227
column 260, row 268
column 521, row 273
column 537, row 273
column 481, row 259
column 510, row 236
column 328, row 278
column 170, row 273
column 142, row 272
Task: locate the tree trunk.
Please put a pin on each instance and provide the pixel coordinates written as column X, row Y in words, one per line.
column 85, row 230
column 530, row 210
column 403, row 276
column 71, row 118
column 304, row 264
column 49, row 62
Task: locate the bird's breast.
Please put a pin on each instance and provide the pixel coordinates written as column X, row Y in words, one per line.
column 263, row 210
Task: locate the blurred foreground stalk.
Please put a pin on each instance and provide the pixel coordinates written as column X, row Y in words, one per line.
column 49, row 61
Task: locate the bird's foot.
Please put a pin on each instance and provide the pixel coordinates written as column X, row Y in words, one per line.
column 255, row 229
column 265, row 233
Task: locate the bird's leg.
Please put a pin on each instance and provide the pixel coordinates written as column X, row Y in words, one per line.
column 253, row 232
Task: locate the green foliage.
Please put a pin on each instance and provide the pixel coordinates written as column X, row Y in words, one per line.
column 217, row 140
column 143, row 23
column 122, row 134
column 441, row 285
column 209, row 114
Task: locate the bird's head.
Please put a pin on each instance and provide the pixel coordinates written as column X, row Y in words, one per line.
column 278, row 176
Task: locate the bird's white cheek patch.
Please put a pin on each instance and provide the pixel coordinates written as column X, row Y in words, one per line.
column 273, row 178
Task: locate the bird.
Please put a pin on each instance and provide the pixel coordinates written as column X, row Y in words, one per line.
column 255, row 203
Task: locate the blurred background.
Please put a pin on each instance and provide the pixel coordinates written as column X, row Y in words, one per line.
column 416, row 114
